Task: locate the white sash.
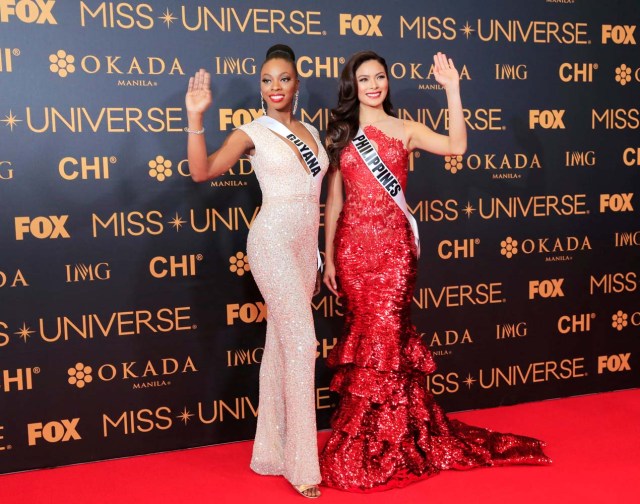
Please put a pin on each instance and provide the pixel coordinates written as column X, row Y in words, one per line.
column 310, row 159
column 385, row 177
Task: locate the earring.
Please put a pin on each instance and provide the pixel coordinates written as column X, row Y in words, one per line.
column 264, row 111
column 295, row 103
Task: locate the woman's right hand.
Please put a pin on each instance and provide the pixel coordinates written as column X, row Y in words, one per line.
column 198, row 98
column 329, row 278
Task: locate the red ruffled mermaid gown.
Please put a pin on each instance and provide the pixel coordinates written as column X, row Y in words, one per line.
column 388, row 430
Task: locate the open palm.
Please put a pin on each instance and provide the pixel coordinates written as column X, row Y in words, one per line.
column 198, row 98
column 444, row 71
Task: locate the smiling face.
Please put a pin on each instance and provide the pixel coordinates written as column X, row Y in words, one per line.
column 373, row 84
column 278, row 84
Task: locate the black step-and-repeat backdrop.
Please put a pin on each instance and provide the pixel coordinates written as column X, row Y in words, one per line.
column 129, row 319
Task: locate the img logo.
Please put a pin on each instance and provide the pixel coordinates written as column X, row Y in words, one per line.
column 81, row 272
column 579, row 158
column 511, row 72
column 627, row 239
column 228, row 65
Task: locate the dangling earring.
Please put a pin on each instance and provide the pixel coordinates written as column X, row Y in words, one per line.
column 295, row 103
column 264, row 111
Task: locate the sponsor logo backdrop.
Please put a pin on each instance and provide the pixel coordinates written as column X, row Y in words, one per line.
column 129, row 319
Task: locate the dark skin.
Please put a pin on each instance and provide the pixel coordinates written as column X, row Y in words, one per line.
column 278, row 85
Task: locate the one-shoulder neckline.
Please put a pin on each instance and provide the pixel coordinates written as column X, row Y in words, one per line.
column 387, row 136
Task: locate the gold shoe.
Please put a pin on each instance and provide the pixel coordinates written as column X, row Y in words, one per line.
column 309, row 491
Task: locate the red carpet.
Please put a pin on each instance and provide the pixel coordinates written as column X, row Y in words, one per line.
column 594, row 442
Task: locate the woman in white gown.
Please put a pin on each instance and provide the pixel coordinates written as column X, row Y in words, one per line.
column 282, row 251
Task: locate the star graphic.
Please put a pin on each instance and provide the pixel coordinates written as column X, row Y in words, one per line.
column 467, row 30
column 177, row 222
column 185, row 416
column 167, row 17
column 468, row 210
column 469, row 381
column 11, row 120
column 24, row 332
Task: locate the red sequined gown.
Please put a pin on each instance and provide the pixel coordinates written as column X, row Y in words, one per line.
column 388, row 430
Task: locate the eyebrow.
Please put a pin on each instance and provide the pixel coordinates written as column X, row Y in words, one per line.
column 368, row 75
column 281, row 75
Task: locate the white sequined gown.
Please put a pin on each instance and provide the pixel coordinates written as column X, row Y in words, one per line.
column 282, row 249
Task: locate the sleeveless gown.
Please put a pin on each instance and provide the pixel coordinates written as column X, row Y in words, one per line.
column 388, row 430
column 282, row 251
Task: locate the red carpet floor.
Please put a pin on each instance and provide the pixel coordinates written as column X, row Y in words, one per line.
column 594, row 442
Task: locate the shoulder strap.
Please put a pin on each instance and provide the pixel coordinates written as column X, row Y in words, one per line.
column 385, row 177
column 309, row 158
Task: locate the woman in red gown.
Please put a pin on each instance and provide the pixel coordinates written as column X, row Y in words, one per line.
column 388, row 430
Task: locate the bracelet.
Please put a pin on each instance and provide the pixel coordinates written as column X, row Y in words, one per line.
column 195, row 132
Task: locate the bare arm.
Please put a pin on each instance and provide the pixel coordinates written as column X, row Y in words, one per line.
column 332, row 209
column 422, row 137
column 201, row 167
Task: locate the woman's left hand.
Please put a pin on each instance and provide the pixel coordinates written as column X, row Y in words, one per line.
column 445, row 73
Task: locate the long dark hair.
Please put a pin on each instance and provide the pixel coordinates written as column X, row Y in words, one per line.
column 343, row 120
column 281, row 51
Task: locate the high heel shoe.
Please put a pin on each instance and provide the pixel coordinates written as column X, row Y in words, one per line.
column 309, row 491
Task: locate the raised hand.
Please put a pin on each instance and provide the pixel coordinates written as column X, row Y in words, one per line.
column 445, row 73
column 198, row 98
